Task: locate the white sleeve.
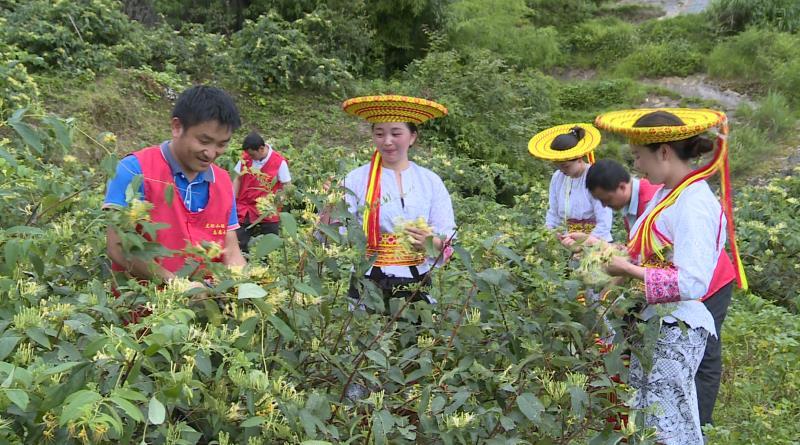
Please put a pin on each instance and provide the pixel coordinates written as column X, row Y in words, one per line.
column 551, row 219
column 695, row 247
column 442, row 218
column 283, row 173
column 238, row 168
column 603, row 220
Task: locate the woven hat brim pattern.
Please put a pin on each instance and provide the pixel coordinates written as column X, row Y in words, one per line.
column 539, row 145
column 697, row 121
column 390, row 108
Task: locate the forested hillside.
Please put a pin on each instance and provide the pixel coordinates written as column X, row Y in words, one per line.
column 273, row 353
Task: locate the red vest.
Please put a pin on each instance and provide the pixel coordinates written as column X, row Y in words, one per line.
column 253, row 186
column 184, row 227
column 646, row 193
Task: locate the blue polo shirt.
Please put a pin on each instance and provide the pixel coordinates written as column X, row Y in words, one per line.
column 193, row 193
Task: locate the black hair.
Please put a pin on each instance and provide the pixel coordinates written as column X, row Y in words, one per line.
column 253, row 141
column 202, row 103
column 606, row 174
column 412, row 127
column 685, row 148
column 568, row 140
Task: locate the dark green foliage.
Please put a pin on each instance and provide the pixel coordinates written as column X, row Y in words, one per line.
column 601, row 43
column 759, row 60
column 503, row 27
column 734, row 16
column 270, row 54
column 561, row 14
column 675, row 58
column 70, row 35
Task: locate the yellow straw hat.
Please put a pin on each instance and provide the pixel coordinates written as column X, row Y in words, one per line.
column 544, row 145
column 390, row 108
column 696, row 121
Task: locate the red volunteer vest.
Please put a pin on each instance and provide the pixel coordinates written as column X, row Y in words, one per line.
column 253, row 186
column 646, row 193
column 184, row 226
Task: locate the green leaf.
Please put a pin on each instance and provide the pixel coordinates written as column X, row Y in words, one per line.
column 7, row 345
column 251, row 290
column 266, row 244
column 288, row 223
column 253, row 421
column 156, row 413
column 38, row 335
column 18, row 397
column 61, row 131
column 61, row 367
column 28, row 134
column 530, row 406
column 382, row 425
column 24, row 230
column 77, row 403
column 130, row 409
column 129, row 394
column 282, row 327
column 305, row 288
column 315, row 442
column 378, row 358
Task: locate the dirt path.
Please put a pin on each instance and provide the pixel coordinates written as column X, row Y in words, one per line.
column 675, row 7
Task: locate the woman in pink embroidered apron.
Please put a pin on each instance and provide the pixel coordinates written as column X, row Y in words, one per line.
column 677, row 250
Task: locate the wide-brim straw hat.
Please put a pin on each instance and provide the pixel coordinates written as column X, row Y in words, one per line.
column 540, row 145
column 391, row 108
column 696, row 121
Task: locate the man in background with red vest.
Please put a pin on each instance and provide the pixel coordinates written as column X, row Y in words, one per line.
column 191, row 195
column 263, row 173
column 611, row 184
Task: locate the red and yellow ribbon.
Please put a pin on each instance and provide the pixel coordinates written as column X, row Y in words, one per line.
column 647, row 241
column 372, row 212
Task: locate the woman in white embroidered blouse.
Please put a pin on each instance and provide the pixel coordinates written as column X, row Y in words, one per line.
column 684, row 224
column 392, row 191
column 572, row 207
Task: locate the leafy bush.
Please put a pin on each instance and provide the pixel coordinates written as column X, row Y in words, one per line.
column 772, row 114
column 190, row 50
column 17, row 88
column 759, row 59
column 502, row 27
column 693, row 29
column 760, row 382
column 270, row 54
column 599, row 95
column 737, row 15
column 345, row 34
column 767, row 229
column 661, row 59
column 561, row 13
column 494, row 110
column 69, row 35
column 602, row 42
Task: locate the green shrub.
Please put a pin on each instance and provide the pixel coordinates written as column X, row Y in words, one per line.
column 694, row 29
column 772, row 114
column 70, row 35
column 737, row 15
column 561, row 13
column 270, row 54
column 660, row 60
column 190, row 50
column 599, row 95
column 768, row 233
column 757, row 58
column 344, row 34
column 502, row 27
column 17, row 88
column 494, row 110
column 602, row 42
column 758, row 400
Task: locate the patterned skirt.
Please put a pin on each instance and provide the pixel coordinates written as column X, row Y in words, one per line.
column 667, row 395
